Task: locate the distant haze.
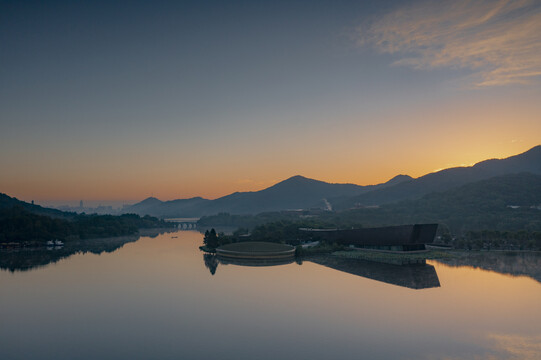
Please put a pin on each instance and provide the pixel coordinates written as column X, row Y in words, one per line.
column 86, row 203
column 118, row 101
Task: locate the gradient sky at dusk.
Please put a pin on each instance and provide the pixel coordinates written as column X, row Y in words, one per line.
column 118, row 100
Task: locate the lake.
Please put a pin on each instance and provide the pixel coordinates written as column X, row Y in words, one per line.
column 160, row 298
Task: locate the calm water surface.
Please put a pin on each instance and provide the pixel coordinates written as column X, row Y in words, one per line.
column 157, row 298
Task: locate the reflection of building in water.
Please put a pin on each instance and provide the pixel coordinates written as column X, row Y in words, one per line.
column 212, row 261
column 256, row 262
column 419, row 276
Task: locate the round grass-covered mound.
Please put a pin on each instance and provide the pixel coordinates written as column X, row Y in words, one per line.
column 256, row 250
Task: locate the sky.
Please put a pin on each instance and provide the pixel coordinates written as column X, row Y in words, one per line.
column 121, row 100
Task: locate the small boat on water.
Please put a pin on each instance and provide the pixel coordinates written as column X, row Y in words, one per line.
column 54, row 243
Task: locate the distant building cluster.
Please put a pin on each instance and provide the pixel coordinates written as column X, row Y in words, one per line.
column 100, row 209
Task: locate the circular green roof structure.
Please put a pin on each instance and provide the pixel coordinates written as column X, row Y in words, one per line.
column 256, row 250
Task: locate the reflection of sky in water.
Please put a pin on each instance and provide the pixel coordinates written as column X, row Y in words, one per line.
column 156, row 299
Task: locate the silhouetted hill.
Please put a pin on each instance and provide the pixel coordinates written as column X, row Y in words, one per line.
column 397, row 180
column 22, row 222
column 505, row 203
column 529, row 161
column 150, row 201
column 297, row 192
column 167, row 209
column 508, row 202
column 7, row 202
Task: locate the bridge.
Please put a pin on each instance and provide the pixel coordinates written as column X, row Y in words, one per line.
column 184, row 223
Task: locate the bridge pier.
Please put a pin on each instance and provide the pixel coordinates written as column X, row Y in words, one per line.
column 186, row 225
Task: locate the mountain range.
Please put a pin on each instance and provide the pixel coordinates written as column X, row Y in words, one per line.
column 510, row 202
column 530, row 161
column 299, row 192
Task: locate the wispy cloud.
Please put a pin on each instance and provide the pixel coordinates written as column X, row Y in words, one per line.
column 500, row 41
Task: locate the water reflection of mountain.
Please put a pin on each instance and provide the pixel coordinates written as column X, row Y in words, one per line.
column 510, row 263
column 418, row 276
column 24, row 259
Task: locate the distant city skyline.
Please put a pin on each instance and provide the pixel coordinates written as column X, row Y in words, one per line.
column 112, row 102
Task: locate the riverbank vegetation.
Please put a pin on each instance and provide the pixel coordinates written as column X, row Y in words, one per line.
column 18, row 225
column 287, row 231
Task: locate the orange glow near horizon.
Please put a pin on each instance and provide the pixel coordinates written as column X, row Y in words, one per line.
column 135, row 186
column 346, row 151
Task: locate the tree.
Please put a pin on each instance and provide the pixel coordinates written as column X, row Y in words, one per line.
column 211, row 239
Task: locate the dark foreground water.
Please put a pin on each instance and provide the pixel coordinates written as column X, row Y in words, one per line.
column 156, row 298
